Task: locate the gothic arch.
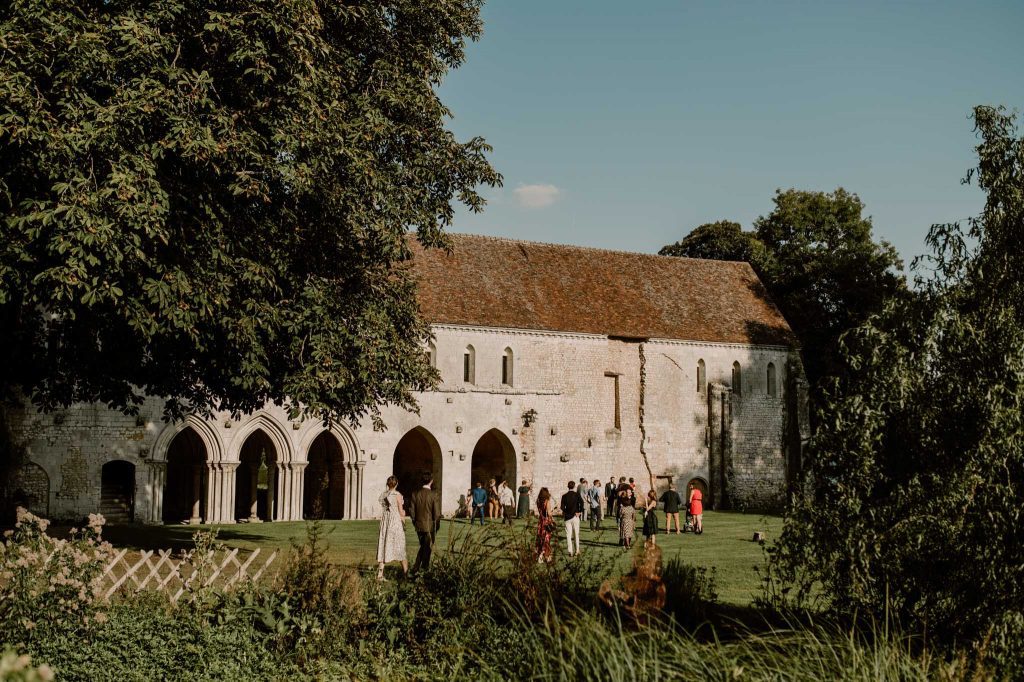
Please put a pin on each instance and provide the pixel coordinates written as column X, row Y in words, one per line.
column 332, row 481
column 416, row 452
column 274, row 430
column 494, row 456
column 202, row 427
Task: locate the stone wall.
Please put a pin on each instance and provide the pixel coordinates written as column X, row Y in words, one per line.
column 565, row 382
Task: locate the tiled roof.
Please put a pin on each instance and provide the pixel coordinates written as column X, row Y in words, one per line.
column 496, row 282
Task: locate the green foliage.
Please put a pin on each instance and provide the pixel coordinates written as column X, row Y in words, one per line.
column 690, row 592
column 15, row 668
column 917, row 471
column 208, row 201
column 816, row 256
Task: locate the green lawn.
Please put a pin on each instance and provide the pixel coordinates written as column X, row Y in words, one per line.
column 725, row 545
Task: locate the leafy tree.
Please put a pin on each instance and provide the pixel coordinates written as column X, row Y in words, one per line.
column 917, row 471
column 721, row 240
column 817, row 258
column 208, row 200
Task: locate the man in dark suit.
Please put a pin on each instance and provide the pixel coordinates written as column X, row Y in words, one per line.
column 425, row 510
column 610, row 491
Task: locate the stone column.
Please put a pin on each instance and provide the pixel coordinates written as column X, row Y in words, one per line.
column 288, row 489
column 157, row 482
column 358, row 489
column 220, row 492
column 197, row 494
column 254, row 480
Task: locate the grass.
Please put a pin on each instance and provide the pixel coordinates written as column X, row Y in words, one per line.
column 726, row 544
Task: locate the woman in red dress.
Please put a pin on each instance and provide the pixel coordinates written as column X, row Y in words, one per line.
column 697, row 509
column 545, row 526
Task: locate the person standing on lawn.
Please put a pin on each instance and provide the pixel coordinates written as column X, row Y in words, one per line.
column 391, row 541
column 609, row 497
column 594, row 492
column 671, row 501
column 426, row 519
column 545, row 526
column 479, row 498
column 571, row 506
column 507, row 501
column 524, row 501
column 651, row 517
column 627, row 516
column 584, row 490
column 697, row 509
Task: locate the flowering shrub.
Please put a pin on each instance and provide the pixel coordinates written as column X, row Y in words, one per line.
column 45, row 577
column 15, row 668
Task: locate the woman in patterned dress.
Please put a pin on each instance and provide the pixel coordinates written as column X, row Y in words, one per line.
column 391, row 541
column 545, row 526
column 627, row 516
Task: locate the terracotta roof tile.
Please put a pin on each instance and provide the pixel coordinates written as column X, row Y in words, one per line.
column 496, row 282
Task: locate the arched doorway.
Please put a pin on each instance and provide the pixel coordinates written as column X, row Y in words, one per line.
column 117, row 492
column 416, row 453
column 701, row 485
column 256, row 479
column 493, row 457
column 184, row 498
column 324, row 484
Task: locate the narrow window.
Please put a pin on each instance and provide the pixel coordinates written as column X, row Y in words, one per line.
column 469, row 365
column 506, row 367
column 771, row 380
column 617, row 415
column 432, row 354
column 736, row 379
column 702, row 377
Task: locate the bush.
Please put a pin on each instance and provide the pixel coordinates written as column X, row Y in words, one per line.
column 690, row 593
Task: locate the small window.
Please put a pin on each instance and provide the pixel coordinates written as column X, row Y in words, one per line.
column 737, row 379
column 506, row 367
column 469, row 365
column 432, row 354
column 616, row 404
column 772, row 390
column 702, row 377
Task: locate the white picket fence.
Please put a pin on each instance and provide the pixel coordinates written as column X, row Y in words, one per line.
column 162, row 571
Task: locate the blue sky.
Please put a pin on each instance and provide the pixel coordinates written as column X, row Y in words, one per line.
column 625, row 124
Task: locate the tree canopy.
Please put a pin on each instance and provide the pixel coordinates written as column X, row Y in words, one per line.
column 208, row 201
column 916, row 476
column 816, row 255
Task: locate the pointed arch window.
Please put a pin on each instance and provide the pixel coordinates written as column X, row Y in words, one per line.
column 506, row 367
column 702, row 377
column 469, row 365
column 737, row 377
column 431, row 353
column 772, row 387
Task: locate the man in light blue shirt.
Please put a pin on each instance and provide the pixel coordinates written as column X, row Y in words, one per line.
column 594, row 501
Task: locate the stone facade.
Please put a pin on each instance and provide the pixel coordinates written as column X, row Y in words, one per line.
column 573, row 405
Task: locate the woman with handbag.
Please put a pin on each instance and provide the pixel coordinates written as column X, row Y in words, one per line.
column 545, row 526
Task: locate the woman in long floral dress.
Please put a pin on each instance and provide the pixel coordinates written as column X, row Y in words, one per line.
column 391, row 541
column 545, row 526
column 627, row 516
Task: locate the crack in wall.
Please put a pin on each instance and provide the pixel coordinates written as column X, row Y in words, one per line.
column 643, row 427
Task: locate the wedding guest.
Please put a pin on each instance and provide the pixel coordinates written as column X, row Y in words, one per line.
column 391, row 540
column 697, row 509
column 524, row 501
column 671, row 501
column 571, row 506
column 426, row 519
column 594, row 493
column 583, row 490
column 651, row 518
column 627, row 517
column 545, row 526
column 479, row 498
column 609, row 497
column 507, row 501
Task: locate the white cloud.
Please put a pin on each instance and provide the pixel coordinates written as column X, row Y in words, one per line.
column 536, row 196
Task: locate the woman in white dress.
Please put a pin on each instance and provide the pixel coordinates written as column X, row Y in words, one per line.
column 391, row 542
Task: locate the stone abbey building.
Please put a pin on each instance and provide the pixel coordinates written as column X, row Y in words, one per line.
column 557, row 362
